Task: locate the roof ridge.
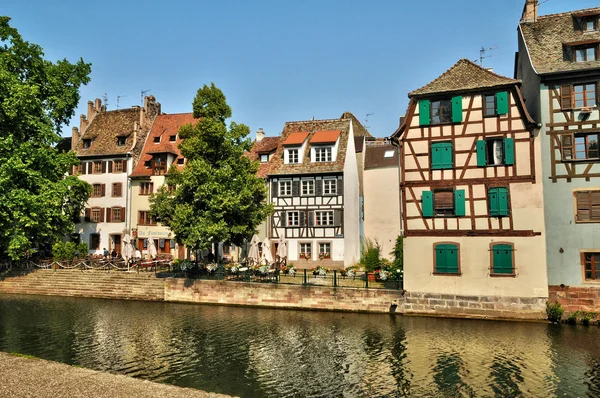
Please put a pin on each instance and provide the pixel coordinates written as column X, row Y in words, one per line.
column 177, row 113
column 560, row 14
column 315, row 120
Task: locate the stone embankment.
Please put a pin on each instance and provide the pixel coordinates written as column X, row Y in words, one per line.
column 32, row 377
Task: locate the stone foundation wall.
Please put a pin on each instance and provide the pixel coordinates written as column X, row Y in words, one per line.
column 283, row 296
column 576, row 298
column 497, row 307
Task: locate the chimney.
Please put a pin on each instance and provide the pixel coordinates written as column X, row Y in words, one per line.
column 74, row 137
column 98, row 105
column 91, row 110
column 260, row 134
column 83, row 123
column 530, row 11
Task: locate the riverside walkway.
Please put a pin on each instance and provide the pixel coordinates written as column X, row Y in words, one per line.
column 25, row 378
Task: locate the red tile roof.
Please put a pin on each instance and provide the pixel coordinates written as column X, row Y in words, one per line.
column 296, row 138
column 265, row 146
column 164, row 126
column 325, row 137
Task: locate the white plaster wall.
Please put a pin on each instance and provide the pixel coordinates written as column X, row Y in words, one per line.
column 351, row 204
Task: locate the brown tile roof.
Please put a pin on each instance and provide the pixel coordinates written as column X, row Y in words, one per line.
column 544, row 40
column 325, row 137
column 359, row 143
column 464, row 76
column 265, row 146
column 296, row 138
column 374, row 156
column 307, row 167
column 104, row 129
column 164, row 127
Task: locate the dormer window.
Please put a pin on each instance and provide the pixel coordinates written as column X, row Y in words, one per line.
column 160, row 165
column 173, row 138
column 156, row 140
column 180, row 160
column 292, row 155
column 589, row 24
column 148, row 164
column 294, row 145
column 586, row 53
column 121, row 141
column 87, row 143
column 323, row 154
column 264, row 158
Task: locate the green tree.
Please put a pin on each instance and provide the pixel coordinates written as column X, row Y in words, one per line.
column 37, row 96
column 218, row 197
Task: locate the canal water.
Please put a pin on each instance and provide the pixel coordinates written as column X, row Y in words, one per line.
column 252, row 352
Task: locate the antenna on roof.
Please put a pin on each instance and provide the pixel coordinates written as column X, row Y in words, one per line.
column 142, row 95
column 105, row 98
column 367, row 120
column 118, row 98
column 482, row 54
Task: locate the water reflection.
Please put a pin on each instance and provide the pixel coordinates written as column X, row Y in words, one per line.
column 269, row 353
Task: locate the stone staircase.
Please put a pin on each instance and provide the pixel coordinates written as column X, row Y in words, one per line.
column 76, row 283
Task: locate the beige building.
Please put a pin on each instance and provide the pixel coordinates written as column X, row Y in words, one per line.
column 471, row 191
column 381, row 194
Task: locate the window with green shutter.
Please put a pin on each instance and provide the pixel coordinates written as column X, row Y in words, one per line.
column 457, row 111
column 427, row 203
column 502, row 259
column 442, row 156
column 495, row 152
column 446, row 258
column 498, row 198
column 424, row 113
column 502, row 103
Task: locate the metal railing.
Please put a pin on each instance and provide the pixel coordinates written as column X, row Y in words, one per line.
column 99, row 264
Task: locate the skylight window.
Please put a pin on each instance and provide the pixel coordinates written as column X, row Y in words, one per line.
column 388, row 154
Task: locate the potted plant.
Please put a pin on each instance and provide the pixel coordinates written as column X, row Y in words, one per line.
column 305, row 256
column 324, row 256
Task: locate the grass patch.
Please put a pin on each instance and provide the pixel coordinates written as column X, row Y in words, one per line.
column 27, row 356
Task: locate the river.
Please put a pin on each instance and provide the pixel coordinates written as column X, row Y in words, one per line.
column 251, row 352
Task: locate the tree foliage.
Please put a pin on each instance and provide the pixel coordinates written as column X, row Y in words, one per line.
column 218, row 197
column 37, row 96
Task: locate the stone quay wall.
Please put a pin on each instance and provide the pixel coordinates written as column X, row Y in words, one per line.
column 574, row 298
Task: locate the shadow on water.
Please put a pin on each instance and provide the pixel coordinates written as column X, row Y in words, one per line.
column 276, row 353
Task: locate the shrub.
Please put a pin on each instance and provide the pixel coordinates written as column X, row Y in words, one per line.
column 587, row 317
column 554, row 311
column 370, row 255
column 83, row 249
column 58, row 251
column 398, row 253
column 70, row 248
column 572, row 319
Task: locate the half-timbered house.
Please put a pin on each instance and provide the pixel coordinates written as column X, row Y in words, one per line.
column 559, row 62
column 314, row 186
column 472, row 208
column 108, row 145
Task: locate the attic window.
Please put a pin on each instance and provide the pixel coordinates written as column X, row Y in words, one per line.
column 87, row 143
column 388, row 154
column 586, row 53
column 180, row 160
column 121, row 141
column 148, row 164
column 264, row 158
column 589, row 24
column 156, row 140
column 173, row 138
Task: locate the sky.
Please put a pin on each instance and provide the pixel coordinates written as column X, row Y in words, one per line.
column 275, row 60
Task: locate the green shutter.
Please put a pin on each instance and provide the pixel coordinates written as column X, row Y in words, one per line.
column 436, row 155
column 440, row 258
column 502, row 259
column 502, row 103
column 427, row 203
column 447, row 156
column 493, row 198
column 441, row 155
column 457, row 111
column 502, row 202
column 424, row 113
column 509, row 151
column 481, row 153
column 452, row 259
column 459, row 202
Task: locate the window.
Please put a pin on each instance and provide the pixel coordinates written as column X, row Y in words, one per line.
column 156, row 140
column 587, row 205
column 441, row 112
column 117, row 166
column 77, row 169
column 146, row 188
column 97, row 167
column 584, row 54
column 148, row 164
column 489, row 105
column 308, row 187
column 293, row 155
column 495, row 152
column 94, row 241
column 116, row 215
column 446, row 259
column 264, row 158
column 305, row 251
column 173, row 138
column 121, row 141
column 498, row 198
column 578, row 96
column 443, row 203
column 117, row 189
column 145, row 219
column 324, row 218
column 285, row 188
column 589, row 24
column 160, row 165
column 97, row 190
column 441, row 155
column 96, row 215
column 181, row 161
column 323, row 154
column 324, row 250
column 591, row 265
column 388, row 154
column 329, row 187
column 293, row 219
column 495, row 104
column 87, row 143
column 579, row 146
column 502, row 259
